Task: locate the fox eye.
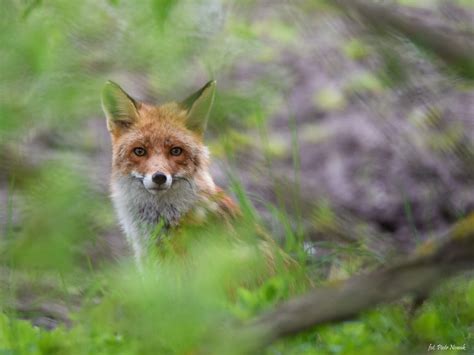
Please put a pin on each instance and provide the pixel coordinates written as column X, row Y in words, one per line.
column 176, row 151
column 139, row 151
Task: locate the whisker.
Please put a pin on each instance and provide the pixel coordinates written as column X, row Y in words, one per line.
column 138, row 176
column 185, row 179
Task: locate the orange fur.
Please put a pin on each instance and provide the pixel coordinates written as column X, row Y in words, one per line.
column 158, row 129
column 140, row 203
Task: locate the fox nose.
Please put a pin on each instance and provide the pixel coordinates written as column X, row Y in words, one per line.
column 159, row 178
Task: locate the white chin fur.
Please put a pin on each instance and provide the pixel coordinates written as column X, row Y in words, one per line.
column 138, row 202
column 140, row 210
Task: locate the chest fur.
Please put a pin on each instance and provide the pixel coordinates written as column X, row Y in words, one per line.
column 137, row 208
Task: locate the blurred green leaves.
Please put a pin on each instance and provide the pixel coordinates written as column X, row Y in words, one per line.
column 329, row 99
column 177, row 304
column 56, row 55
column 162, row 9
column 58, row 219
column 356, row 49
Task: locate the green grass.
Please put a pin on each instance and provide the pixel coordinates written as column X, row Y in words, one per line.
column 183, row 304
column 56, row 55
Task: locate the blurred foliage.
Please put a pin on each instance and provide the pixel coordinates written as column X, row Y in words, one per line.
column 62, row 52
column 55, row 57
column 61, row 221
column 107, row 328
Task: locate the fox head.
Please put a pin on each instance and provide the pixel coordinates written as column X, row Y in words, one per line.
column 159, row 146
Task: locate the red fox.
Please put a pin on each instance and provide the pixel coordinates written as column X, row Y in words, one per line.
column 160, row 165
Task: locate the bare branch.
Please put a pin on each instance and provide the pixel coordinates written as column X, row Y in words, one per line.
column 418, row 275
column 450, row 45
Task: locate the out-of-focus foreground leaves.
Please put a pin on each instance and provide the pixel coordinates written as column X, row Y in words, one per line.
column 350, row 146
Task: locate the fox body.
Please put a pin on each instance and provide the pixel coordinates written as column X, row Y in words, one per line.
column 160, row 165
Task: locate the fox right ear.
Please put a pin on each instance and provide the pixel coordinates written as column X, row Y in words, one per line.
column 119, row 108
column 198, row 107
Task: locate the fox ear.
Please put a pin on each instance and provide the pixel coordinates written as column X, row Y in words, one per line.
column 198, row 107
column 119, row 108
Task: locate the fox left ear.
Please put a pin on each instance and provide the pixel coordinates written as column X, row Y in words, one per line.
column 198, row 107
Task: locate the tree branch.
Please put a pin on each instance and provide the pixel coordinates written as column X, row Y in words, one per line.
column 450, row 45
column 417, row 275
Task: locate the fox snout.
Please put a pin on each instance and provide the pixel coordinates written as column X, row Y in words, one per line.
column 159, row 178
column 158, row 181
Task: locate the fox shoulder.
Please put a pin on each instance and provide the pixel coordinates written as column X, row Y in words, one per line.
column 226, row 205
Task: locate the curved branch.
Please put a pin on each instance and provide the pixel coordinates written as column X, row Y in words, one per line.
column 417, row 276
column 450, row 45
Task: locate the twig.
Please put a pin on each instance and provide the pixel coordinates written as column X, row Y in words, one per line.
column 417, row 275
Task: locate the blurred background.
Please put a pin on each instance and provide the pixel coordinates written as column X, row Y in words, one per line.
column 345, row 127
